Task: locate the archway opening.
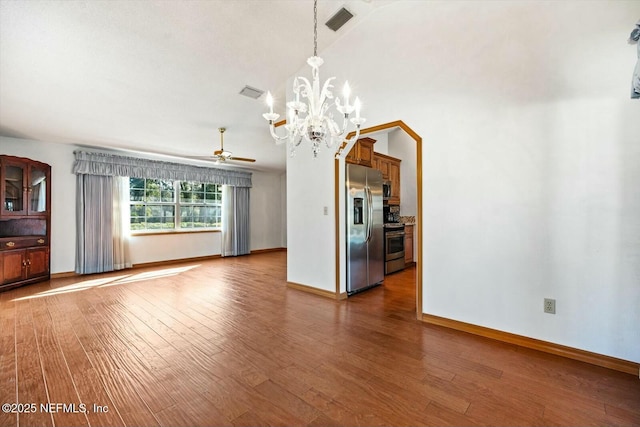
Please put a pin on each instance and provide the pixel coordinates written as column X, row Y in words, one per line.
column 340, row 253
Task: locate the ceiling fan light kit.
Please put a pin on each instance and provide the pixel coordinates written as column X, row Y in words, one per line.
column 312, row 120
column 223, row 155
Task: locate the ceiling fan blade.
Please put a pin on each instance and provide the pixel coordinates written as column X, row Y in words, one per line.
column 223, row 155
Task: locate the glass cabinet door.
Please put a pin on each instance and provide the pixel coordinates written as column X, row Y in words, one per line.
column 14, row 186
column 37, row 190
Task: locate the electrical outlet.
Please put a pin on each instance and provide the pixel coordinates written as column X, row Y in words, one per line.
column 325, row 210
column 550, row 306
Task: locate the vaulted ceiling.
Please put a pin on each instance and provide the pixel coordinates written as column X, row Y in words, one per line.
column 162, row 76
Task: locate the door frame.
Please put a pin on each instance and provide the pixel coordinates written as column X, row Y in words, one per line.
column 418, row 139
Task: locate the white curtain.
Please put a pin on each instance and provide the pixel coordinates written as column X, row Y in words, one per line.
column 102, row 224
column 121, row 224
column 235, row 221
column 94, row 212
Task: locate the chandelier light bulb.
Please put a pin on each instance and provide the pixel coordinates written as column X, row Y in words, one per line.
column 346, row 92
column 271, row 117
column 270, row 102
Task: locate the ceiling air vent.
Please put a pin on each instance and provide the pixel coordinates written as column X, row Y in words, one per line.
column 339, row 19
column 251, row 92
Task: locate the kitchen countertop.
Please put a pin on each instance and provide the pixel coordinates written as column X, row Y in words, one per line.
column 408, row 220
column 394, row 225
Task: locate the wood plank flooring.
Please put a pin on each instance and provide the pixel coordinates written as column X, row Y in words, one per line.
column 225, row 342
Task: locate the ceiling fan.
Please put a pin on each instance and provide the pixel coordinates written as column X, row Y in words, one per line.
column 222, row 155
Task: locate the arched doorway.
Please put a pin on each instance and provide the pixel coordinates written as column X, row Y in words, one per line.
column 418, row 153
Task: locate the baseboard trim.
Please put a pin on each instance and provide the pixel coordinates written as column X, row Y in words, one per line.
column 312, row 290
column 535, row 344
column 64, row 274
column 263, row 251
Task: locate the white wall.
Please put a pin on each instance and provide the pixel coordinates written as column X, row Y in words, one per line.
column 266, row 214
column 166, row 247
column 310, row 233
column 531, row 149
column 403, row 147
column 382, row 142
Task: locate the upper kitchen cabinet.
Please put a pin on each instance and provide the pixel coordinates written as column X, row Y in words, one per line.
column 362, row 152
column 25, row 186
column 390, row 168
column 394, row 178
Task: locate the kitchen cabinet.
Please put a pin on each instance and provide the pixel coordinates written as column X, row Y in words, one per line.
column 394, row 178
column 382, row 165
column 25, row 221
column 390, row 168
column 408, row 244
column 362, row 152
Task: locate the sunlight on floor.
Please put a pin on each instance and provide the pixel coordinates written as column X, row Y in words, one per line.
column 110, row 281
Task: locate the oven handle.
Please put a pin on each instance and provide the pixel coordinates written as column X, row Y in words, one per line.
column 394, row 233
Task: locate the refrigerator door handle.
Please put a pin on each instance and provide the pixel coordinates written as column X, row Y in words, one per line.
column 369, row 213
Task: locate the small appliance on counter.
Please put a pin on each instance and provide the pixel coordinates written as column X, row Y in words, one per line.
column 391, row 214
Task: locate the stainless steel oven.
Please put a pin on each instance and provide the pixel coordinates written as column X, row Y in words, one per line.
column 393, row 248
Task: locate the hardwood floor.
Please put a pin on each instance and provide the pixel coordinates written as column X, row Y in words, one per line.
column 225, row 342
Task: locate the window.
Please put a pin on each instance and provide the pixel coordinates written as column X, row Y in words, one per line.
column 200, row 205
column 158, row 204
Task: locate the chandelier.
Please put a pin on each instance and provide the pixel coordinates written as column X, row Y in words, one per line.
column 312, row 120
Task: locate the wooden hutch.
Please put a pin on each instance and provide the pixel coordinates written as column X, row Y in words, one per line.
column 25, row 221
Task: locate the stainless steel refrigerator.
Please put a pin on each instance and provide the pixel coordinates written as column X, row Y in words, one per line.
column 365, row 234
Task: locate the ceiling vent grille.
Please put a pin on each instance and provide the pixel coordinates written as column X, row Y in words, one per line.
column 339, row 19
column 251, row 92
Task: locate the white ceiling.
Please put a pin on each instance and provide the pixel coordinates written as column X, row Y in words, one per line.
column 161, row 76
column 156, row 76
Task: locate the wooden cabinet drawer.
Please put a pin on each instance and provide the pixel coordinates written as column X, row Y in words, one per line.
column 9, row 243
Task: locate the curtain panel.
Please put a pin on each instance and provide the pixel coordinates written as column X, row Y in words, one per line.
column 94, row 217
column 121, row 224
column 235, row 221
column 92, row 163
column 102, row 224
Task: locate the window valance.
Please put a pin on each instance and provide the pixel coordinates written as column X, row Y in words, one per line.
column 91, row 163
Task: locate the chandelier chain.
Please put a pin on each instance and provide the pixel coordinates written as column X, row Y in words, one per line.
column 315, row 28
